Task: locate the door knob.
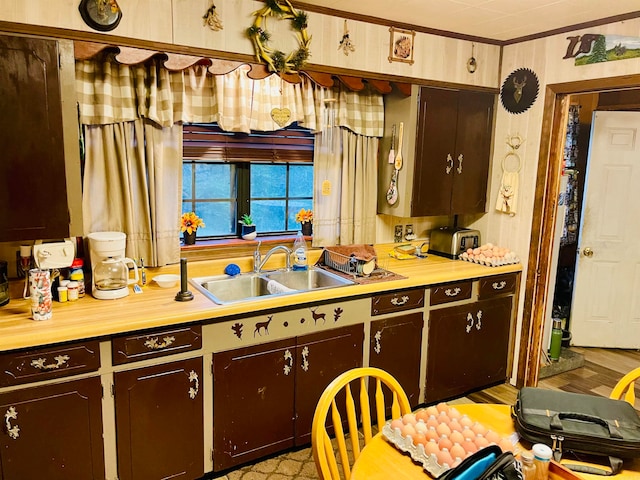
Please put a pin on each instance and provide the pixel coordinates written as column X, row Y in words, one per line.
column 587, row 252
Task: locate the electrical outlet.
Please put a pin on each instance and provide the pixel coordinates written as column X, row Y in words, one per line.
column 397, row 236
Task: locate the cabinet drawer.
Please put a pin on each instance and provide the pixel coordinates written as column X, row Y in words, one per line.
column 397, row 301
column 450, row 292
column 46, row 363
column 140, row 346
column 497, row 285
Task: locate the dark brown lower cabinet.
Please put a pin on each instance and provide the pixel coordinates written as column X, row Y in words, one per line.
column 53, row 432
column 395, row 346
column 468, row 348
column 265, row 396
column 159, row 421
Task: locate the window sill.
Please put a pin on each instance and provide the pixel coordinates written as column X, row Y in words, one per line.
column 234, row 247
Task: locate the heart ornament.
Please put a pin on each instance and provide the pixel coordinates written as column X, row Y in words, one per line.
column 281, row 116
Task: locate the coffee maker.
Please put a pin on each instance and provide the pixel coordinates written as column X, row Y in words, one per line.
column 110, row 277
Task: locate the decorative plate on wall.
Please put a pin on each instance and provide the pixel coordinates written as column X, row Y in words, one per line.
column 103, row 15
column 519, row 90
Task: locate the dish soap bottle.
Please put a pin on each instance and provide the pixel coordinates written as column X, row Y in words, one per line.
column 300, row 253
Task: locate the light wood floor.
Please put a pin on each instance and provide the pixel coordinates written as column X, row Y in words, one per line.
column 601, row 371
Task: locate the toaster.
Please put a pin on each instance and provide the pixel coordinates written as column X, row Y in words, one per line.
column 452, row 241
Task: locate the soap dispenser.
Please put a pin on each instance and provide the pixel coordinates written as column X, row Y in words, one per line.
column 300, row 253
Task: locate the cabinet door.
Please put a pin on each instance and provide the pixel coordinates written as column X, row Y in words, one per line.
column 159, row 421
column 321, row 357
column 467, row 348
column 395, row 347
column 53, row 432
column 34, row 194
column 435, row 152
column 253, row 395
column 473, row 148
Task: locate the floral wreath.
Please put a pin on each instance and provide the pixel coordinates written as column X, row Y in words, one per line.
column 276, row 60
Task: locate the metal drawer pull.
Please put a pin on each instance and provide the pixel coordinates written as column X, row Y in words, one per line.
column 400, row 301
column 378, row 346
column 305, row 359
column 499, row 286
column 152, row 343
column 193, row 391
column 452, row 292
column 449, row 164
column 288, row 358
column 460, row 159
column 39, row 363
column 14, row 432
column 471, row 321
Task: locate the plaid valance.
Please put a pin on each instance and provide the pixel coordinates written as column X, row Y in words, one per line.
column 109, row 92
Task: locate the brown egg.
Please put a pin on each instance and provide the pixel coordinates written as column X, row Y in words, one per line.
column 454, row 425
column 442, row 407
column 444, row 457
column 409, row 418
column 422, row 415
column 397, row 423
column 493, row 437
column 419, row 438
column 432, row 422
column 431, row 447
column 456, row 436
column 408, row 430
column 421, row 427
column 478, row 428
column 465, row 421
column 443, row 429
column 506, row 445
column 444, row 442
column 431, row 434
column 469, row 446
column 457, row 451
column 480, row 441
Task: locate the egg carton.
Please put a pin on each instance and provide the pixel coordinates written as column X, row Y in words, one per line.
column 417, row 453
column 489, row 261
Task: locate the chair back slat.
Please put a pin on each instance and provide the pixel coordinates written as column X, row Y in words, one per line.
column 324, row 454
column 379, row 396
column 395, row 406
column 365, row 411
column 330, row 458
column 342, row 444
column 353, row 422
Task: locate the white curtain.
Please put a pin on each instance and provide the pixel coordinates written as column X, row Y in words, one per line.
column 345, row 176
column 130, row 185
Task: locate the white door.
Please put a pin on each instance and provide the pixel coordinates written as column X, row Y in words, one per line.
column 605, row 309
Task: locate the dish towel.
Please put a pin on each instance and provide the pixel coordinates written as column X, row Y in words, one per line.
column 274, row 287
column 508, row 193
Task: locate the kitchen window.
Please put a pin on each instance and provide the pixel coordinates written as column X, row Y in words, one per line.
column 268, row 175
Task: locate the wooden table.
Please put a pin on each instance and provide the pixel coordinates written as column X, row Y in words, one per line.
column 380, row 460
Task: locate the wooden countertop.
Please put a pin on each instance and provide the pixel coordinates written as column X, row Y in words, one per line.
column 156, row 307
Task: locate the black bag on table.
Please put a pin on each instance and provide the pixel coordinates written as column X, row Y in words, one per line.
column 578, row 423
column 488, row 463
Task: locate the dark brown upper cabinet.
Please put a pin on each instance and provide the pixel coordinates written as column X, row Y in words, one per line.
column 446, row 151
column 34, row 191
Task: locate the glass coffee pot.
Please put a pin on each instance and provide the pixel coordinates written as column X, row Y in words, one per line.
column 111, row 277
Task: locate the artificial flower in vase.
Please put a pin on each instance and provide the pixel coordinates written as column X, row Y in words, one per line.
column 189, row 224
column 305, row 218
column 248, row 231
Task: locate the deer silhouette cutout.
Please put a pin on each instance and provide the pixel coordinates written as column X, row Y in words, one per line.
column 317, row 316
column 263, row 325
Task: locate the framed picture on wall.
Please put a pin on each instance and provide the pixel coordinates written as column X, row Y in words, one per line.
column 401, row 45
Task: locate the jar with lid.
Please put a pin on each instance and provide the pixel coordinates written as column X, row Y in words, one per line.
column 76, row 274
column 72, row 291
column 541, row 458
column 528, row 467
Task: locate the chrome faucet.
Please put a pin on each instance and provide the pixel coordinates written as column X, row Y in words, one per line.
column 259, row 262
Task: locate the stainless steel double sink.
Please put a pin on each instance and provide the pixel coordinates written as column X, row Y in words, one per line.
column 225, row 289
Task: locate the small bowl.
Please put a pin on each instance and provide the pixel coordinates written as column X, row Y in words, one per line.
column 167, row 280
column 250, row 236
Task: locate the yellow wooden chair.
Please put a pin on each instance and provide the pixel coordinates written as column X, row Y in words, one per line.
column 625, row 388
column 323, row 450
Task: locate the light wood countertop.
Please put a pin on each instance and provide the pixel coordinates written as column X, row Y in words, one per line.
column 156, row 307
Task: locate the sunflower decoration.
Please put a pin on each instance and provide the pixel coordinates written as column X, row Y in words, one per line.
column 190, row 222
column 276, row 60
